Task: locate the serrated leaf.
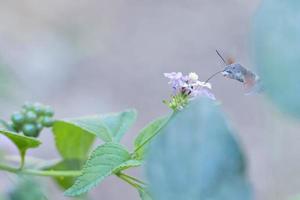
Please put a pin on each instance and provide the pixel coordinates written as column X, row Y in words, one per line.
column 277, row 39
column 108, row 127
column 22, row 142
column 72, row 141
column 103, row 161
column 80, row 132
column 119, row 123
column 128, row 164
column 196, row 157
column 143, row 139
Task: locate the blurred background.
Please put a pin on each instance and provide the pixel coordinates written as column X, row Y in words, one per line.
column 89, row 57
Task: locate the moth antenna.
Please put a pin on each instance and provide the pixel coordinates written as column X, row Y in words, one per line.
column 213, row 76
column 221, row 57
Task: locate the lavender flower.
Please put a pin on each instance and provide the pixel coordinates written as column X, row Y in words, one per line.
column 186, row 88
column 176, row 80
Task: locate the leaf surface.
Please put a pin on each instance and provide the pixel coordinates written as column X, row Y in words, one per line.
column 196, row 157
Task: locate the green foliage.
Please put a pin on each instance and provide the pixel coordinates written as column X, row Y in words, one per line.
column 27, row 189
column 80, row 133
column 277, row 39
column 108, row 128
column 146, row 134
column 103, row 162
column 196, row 157
column 22, row 142
column 66, row 182
column 119, row 123
column 194, row 154
column 68, row 136
column 128, row 164
column 295, row 198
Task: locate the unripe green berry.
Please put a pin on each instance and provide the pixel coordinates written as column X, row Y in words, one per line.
column 30, row 130
column 49, row 111
column 39, row 109
column 28, row 106
column 39, row 127
column 18, row 118
column 31, row 116
column 13, row 127
column 47, row 121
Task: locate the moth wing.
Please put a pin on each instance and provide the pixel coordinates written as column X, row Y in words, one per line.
column 253, row 85
column 230, row 60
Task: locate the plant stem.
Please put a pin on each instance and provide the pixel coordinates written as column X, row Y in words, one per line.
column 22, row 155
column 52, row 173
column 133, row 178
column 129, row 181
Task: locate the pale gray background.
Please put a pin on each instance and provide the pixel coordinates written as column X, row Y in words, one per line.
column 96, row 56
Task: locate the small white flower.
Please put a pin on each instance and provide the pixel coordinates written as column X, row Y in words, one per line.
column 204, row 84
column 193, row 76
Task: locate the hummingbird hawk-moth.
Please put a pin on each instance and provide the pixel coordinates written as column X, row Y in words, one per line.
column 236, row 71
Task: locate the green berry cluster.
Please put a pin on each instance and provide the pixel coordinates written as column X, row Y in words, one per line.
column 32, row 119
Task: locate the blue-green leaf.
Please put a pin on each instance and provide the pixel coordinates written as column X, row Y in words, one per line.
column 103, row 161
column 27, row 189
column 196, row 157
column 277, row 48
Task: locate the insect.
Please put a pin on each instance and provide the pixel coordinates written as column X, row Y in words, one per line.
column 236, row 71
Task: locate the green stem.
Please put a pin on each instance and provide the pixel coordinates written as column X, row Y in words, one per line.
column 22, row 155
column 129, row 181
column 52, row 173
column 133, row 178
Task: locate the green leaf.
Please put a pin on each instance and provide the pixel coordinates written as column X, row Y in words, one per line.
column 22, row 142
column 80, row 132
column 103, row 161
column 128, row 164
column 109, row 127
column 197, row 157
column 72, row 141
column 277, row 39
column 27, row 189
column 143, row 139
column 119, row 123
